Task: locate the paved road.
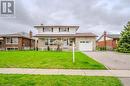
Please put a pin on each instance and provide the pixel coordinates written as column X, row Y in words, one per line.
column 116, row 73
column 113, row 60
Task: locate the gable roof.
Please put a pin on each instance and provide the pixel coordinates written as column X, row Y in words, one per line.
column 113, row 36
column 70, row 35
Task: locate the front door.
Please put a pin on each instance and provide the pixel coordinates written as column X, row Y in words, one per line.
column 65, row 42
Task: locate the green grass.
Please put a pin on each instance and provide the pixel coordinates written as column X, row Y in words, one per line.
column 57, row 80
column 40, row 59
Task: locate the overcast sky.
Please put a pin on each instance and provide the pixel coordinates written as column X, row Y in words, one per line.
column 91, row 15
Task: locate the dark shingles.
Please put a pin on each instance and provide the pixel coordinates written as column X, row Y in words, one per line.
column 113, row 35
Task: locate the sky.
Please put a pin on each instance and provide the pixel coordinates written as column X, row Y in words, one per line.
column 94, row 16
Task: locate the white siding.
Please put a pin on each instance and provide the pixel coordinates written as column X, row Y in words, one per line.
column 40, row 30
column 72, row 30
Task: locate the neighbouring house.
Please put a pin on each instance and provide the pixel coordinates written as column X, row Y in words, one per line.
column 108, row 41
column 17, row 41
column 1, row 43
column 63, row 37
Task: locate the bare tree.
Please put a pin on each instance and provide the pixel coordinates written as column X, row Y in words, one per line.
column 59, row 44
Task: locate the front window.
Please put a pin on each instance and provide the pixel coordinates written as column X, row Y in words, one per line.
column 50, row 41
column 12, row 40
column 8, row 40
column 15, row 40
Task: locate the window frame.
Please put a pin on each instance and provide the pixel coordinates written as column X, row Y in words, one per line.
column 11, row 40
column 49, row 41
column 64, row 29
column 48, row 29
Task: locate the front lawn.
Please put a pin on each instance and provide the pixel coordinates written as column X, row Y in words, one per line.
column 57, row 80
column 40, row 59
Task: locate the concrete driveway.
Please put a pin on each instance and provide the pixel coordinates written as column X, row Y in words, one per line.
column 112, row 60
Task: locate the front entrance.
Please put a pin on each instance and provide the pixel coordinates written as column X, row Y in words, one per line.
column 65, row 42
column 85, row 46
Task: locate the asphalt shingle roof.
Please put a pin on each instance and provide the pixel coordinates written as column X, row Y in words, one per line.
column 113, row 35
column 20, row 34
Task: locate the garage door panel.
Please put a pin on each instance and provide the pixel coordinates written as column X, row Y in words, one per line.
column 85, row 46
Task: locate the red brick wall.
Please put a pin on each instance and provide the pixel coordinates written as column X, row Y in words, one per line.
column 109, row 44
column 22, row 42
column 27, row 43
column 100, row 44
column 115, row 43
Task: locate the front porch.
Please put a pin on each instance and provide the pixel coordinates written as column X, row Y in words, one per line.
column 56, row 43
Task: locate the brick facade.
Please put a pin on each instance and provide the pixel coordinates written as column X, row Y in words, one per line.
column 23, row 44
column 110, row 44
column 108, row 41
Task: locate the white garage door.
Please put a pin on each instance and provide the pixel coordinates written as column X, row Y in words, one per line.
column 85, row 46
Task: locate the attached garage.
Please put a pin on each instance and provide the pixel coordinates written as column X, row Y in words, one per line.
column 86, row 45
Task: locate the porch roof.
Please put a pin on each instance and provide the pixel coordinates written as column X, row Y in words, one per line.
column 67, row 35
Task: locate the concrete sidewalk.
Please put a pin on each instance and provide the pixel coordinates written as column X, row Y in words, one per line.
column 116, row 73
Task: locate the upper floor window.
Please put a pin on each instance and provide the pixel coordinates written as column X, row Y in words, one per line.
column 12, row 40
column 64, row 29
column 47, row 29
column 43, row 29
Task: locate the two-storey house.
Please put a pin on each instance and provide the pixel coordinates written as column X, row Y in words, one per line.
column 62, row 37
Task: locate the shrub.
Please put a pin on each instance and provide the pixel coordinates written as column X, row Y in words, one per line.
column 124, row 41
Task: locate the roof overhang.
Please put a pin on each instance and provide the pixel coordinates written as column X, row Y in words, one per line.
column 67, row 35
